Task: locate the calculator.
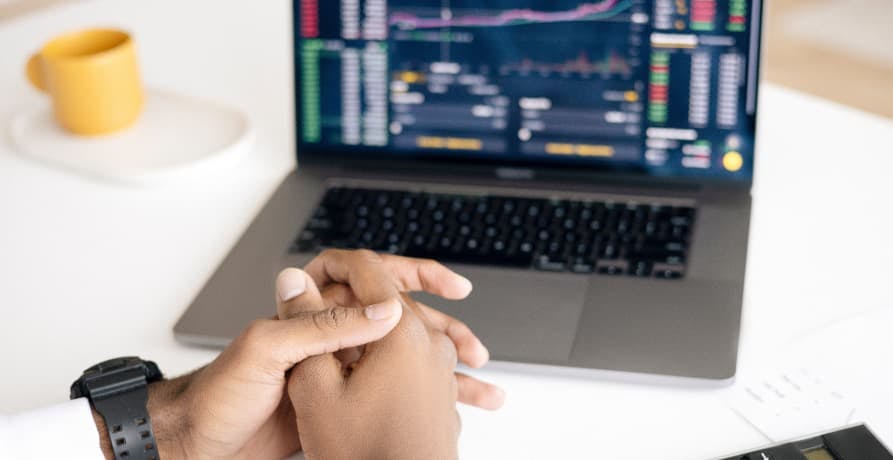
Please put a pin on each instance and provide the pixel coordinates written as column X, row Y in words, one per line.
column 853, row 443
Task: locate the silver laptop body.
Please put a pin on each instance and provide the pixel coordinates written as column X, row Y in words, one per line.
column 488, row 103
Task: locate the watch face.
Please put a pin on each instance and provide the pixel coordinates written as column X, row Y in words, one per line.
column 114, row 364
column 111, row 367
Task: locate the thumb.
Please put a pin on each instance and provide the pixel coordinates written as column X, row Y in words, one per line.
column 320, row 374
column 312, row 333
column 295, row 292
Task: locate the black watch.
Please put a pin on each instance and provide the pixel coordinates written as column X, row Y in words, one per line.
column 117, row 389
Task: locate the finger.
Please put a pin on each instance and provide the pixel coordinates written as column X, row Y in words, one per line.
column 297, row 292
column 362, row 270
column 316, row 380
column 339, row 295
column 479, row 394
column 445, row 349
column 427, row 275
column 471, row 351
column 408, row 274
column 278, row 345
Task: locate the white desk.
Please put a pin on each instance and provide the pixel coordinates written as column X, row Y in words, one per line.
column 90, row 270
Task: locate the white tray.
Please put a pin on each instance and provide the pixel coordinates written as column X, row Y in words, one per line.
column 174, row 135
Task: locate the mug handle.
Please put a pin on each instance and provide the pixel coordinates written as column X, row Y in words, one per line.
column 35, row 73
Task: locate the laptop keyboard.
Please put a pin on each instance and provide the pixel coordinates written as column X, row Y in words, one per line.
column 608, row 238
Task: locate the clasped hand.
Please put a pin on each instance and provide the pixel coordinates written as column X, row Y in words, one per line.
column 352, row 368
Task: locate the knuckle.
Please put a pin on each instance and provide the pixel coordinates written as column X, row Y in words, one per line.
column 431, row 273
column 448, row 351
column 336, row 295
column 412, row 324
column 256, row 328
column 254, row 333
column 329, row 253
column 332, row 318
column 435, row 270
column 416, row 336
column 458, row 328
column 368, row 255
column 423, row 260
column 430, row 263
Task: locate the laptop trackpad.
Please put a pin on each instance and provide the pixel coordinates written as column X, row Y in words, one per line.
column 687, row 327
column 520, row 315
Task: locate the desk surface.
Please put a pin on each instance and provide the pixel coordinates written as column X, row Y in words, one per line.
column 79, row 257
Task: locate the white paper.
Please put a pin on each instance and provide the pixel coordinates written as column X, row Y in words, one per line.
column 789, row 404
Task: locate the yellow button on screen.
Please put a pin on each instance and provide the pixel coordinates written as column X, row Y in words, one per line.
column 732, row 161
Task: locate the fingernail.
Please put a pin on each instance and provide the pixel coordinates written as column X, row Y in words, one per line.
column 290, row 284
column 468, row 285
column 382, row 311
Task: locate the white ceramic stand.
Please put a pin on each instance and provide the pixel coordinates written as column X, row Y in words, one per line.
column 174, row 135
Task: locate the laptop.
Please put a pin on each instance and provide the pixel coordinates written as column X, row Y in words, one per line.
column 587, row 164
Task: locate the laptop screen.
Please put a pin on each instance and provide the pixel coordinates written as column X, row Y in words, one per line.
column 655, row 87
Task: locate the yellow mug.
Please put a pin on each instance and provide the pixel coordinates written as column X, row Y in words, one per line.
column 93, row 79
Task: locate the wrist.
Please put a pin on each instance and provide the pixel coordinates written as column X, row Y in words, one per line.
column 167, row 411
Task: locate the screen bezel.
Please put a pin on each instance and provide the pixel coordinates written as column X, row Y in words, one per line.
column 441, row 162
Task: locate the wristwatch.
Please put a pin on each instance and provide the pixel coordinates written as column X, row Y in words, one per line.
column 118, row 390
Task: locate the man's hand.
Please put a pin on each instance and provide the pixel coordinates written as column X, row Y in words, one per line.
column 354, row 278
column 397, row 402
column 396, row 399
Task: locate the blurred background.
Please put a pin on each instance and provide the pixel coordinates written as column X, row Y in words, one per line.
column 836, row 49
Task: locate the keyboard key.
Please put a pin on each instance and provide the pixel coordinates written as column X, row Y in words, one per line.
column 305, row 242
column 551, row 263
column 610, row 250
column 582, row 265
column 669, row 273
column 320, row 224
column 611, row 268
column 661, row 256
column 641, row 268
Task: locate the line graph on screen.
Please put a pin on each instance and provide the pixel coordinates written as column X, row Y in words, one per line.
column 613, row 63
column 446, row 17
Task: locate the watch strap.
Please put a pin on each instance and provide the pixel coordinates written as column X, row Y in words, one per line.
column 128, row 423
column 118, row 391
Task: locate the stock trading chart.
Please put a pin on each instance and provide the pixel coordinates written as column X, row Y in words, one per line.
column 661, row 85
